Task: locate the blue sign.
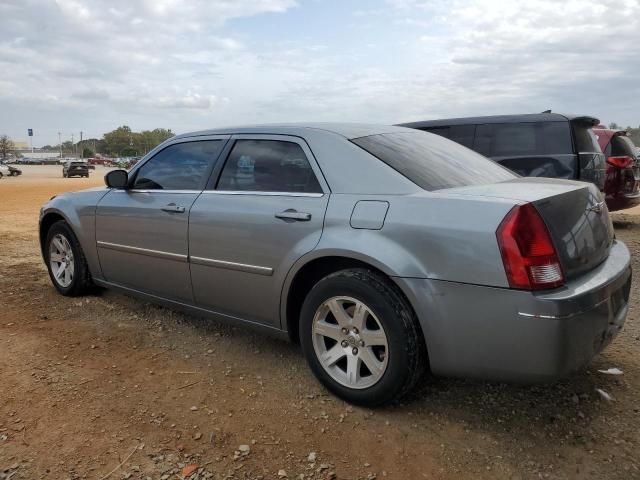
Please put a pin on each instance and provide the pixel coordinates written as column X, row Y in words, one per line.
column 30, row 132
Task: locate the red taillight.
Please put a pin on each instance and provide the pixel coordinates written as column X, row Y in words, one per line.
column 620, row 162
column 529, row 257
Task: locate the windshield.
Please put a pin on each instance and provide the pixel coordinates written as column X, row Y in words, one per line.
column 433, row 162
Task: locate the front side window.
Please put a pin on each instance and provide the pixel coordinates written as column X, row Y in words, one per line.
column 181, row 166
column 268, row 166
column 433, row 162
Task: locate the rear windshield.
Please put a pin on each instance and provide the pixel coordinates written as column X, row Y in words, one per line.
column 586, row 140
column 433, row 162
column 622, row 146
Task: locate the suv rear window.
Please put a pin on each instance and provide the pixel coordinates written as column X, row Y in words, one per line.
column 433, row 162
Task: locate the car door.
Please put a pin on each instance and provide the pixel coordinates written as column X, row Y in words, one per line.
column 263, row 211
column 142, row 231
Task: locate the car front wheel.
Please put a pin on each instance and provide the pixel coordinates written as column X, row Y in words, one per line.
column 65, row 261
column 361, row 338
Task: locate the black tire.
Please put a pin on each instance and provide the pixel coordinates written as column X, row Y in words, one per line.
column 407, row 354
column 81, row 282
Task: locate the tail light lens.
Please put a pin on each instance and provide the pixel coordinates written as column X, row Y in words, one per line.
column 620, row 162
column 529, row 256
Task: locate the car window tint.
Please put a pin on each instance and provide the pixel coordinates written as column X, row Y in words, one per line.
column 462, row 134
column 442, row 131
column 268, row 166
column 514, row 139
column 181, row 166
column 483, row 138
column 433, row 162
column 554, row 138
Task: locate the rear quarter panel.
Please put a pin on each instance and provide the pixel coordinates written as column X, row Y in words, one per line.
column 426, row 235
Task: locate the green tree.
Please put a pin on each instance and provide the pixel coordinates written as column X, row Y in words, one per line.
column 6, row 146
column 87, row 152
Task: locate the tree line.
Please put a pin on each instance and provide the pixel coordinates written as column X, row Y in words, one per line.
column 121, row 142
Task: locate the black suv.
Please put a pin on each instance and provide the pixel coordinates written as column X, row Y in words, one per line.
column 80, row 169
column 532, row 145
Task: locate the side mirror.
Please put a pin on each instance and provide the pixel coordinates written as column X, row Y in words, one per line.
column 117, row 179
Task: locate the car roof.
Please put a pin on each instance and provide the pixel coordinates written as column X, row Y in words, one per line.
column 521, row 118
column 346, row 130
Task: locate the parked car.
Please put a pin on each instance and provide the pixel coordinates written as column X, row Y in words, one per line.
column 14, row 172
column 385, row 251
column 622, row 186
column 4, row 170
column 532, row 145
column 75, row 169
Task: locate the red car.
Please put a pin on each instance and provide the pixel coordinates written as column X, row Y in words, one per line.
column 622, row 184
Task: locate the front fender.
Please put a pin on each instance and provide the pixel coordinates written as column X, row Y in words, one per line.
column 78, row 210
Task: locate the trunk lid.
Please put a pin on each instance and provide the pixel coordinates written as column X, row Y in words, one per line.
column 574, row 212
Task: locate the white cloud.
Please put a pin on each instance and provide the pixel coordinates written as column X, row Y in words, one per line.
column 75, row 65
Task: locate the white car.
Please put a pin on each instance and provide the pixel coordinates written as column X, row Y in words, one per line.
column 4, row 171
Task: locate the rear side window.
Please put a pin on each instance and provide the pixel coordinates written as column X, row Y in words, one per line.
column 523, row 139
column 442, row 131
column 182, row 166
column 463, row 134
column 586, row 140
column 432, row 162
column 268, row 166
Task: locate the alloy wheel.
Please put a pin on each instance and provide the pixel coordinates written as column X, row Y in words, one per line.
column 350, row 342
column 61, row 260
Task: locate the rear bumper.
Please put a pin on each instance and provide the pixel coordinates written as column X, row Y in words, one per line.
column 511, row 335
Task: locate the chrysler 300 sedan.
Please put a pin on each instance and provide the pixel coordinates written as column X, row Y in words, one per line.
column 384, row 251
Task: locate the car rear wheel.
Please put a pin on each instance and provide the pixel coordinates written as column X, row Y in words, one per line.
column 65, row 261
column 361, row 338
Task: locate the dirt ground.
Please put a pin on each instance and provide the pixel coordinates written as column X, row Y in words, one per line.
column 108, row 386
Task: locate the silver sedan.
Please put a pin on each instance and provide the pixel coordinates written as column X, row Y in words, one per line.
column 386, row 252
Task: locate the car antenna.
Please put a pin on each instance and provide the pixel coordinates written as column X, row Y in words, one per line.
column 547, row 111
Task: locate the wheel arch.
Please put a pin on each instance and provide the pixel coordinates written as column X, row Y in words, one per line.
column 47, row 220
column 312, row 268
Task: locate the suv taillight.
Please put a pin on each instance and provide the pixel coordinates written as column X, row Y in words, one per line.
column 621, row 161
column 529, row 257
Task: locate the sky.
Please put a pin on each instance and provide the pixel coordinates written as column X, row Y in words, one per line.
column 93, row 65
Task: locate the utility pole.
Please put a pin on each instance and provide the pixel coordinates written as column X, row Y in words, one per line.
column 73, row 146
column 60, row 142
column 80, row 145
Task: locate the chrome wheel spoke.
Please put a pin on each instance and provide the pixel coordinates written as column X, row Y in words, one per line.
column 353, row 370
column 60, row 271
column 374, row 338
column 360, row 313
column 57, row 242
column 328, row 330
column 332, row 356
column 339, row 313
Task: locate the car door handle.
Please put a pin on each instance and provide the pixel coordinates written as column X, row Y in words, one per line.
column 294, row 216
column 173, row 208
